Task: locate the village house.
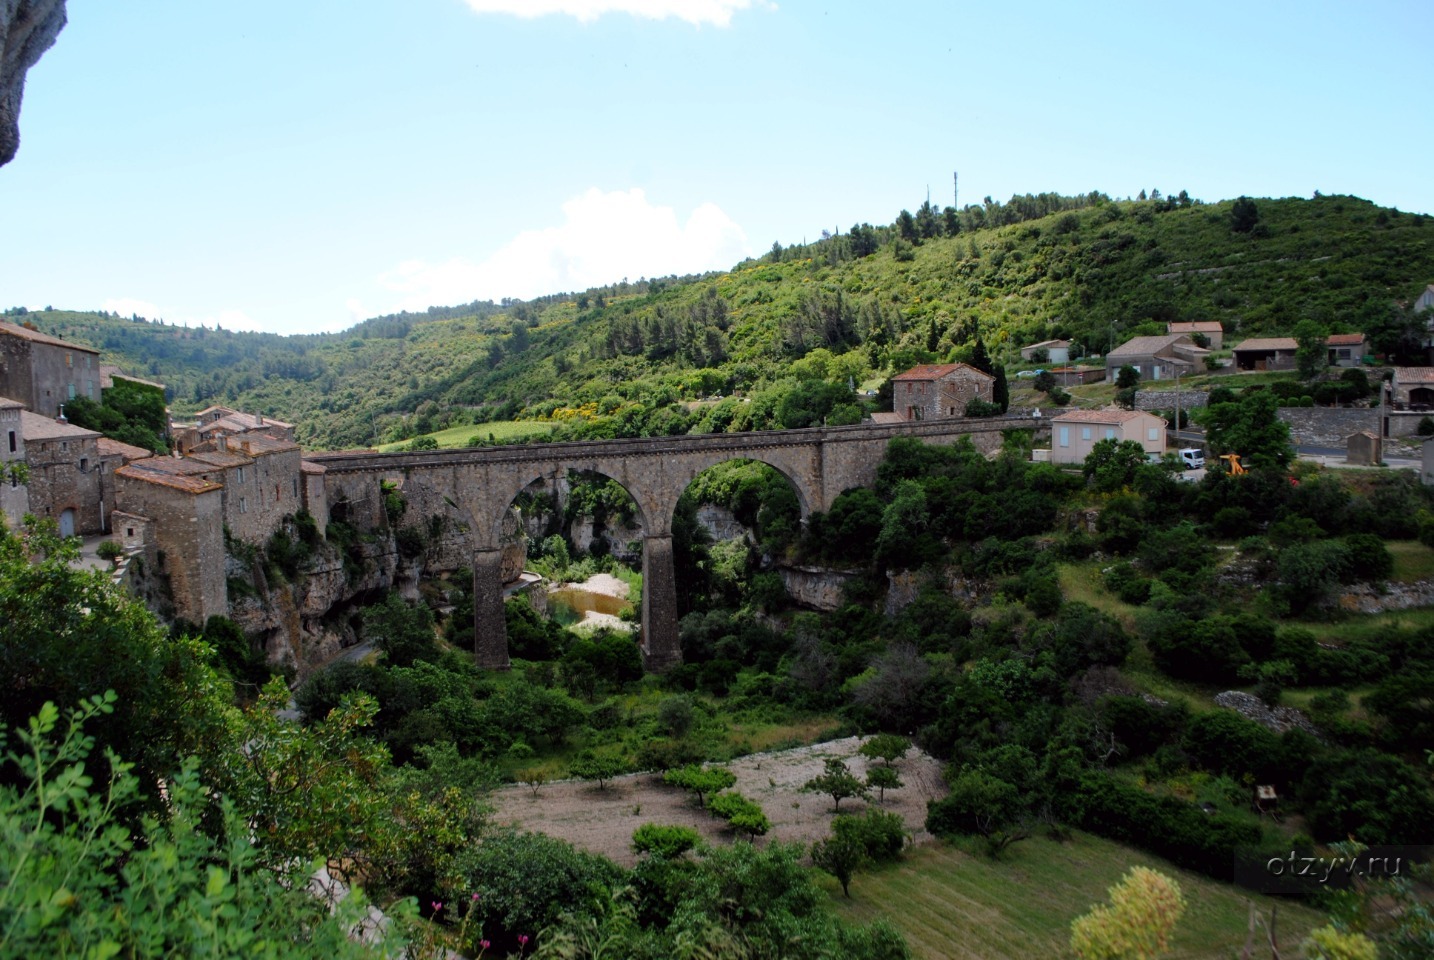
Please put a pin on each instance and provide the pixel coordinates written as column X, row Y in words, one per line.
column 1346, row 349
column 1266, row 353
column 1211, row 330
column 1075, row 432
column 1412, row 388
column 1163, row 357
column 176, row 516
column 1056, row 351
column 66, row 475
column 14, row 495
column 934, row 390
column 216, row 422
column 43, row 372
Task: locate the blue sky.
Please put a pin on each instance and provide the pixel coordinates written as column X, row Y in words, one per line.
column 298, row 166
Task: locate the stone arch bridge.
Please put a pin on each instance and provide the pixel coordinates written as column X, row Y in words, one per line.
column 480, row 484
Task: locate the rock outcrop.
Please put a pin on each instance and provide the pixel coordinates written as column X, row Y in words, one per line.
column 27, row 29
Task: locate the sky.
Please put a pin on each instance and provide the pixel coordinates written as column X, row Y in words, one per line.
column 296, row 167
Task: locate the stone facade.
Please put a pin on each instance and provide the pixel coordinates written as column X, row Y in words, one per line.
column 314, row 494
column 1327, row 426
column 43, row 372
column 262, row 483
column 1364, row 448
column 67, row 478
column 188, row 515
column 14, row 495
column 935, row 391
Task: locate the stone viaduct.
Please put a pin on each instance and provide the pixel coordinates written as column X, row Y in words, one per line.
column 476, row 487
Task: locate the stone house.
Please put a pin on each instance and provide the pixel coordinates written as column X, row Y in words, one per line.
column 934, row 390
column 262, row 482
column 1412, row 388
column 1266, row 353
column 184, row 514
column 1161, row 357
column 1075, row 432
column 1057, row 351
column 67, row 475
column 42, row 372
column 1209, row 329
column 14, row 495
column 214, row 423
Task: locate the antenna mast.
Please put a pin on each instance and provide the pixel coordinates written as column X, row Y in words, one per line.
column 955, row 190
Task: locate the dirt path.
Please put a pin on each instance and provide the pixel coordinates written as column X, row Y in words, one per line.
column 603, row 820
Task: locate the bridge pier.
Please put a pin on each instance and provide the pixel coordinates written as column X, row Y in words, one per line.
column 490, row 630
column 661, row 650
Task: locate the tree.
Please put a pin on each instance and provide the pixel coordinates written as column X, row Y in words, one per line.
column 1244, row 215
column 1001, row 390
column 86, row 877
column 1127, row 377
column 1312, row 351
column 840, row 856
column 883, row 779
column 1143, row 911
column 597, row 767
column 837, row 782
column 1112, row 464
column 1251, row 427
column 886, row 747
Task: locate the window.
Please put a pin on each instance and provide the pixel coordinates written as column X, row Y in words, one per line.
column 69, row 359
column 90, row 389
column 14, row 443
column 1065, row 436
column 129, row 531
column 243, row 505
column 84, row 464
column 1153, row 433
column 1110, row 433
column 71, row 388
column 1085, row 433
column 296, row 488
column 241, row 474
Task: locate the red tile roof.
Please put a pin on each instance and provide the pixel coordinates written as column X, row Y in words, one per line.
column 1267, row 343
column 1414, row 374
column 1100, row 416
column 175, row 481
column 1344, row 339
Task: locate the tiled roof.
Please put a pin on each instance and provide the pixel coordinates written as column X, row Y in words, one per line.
column 258, row 445
column 307, row 466
column 935, row 371
column 1267, row 343
column 1195, row 326
column 221, row 458
column 1344, row 339
column 7, row 404
column 1414, row 374
column 35, row 427
column 114, row 448
column 1146, row 346
column 175, row 481
column 172, row 466
column 25, row 333
column 1109, row 415
column 1047, row 343
column 881, row 416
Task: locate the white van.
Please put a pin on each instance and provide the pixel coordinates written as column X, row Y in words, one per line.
column 1193, row 458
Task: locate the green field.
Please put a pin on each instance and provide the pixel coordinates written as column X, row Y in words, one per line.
column 500, row 430
column 951, row 905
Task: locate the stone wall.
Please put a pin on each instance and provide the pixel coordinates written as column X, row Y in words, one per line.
column 1327, row 426
column 189, row 542
column 45, row 375
column 1165, row 399
column 14, row 495
column 816, row 587
column 65, row 475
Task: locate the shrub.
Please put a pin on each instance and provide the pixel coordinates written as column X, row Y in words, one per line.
column 663, row 841
column 743, row 815
column 1426, row 427
column 109, row 550
column 881, row 836
column 702, row 781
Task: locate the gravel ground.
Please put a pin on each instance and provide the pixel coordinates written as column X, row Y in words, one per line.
column 602, row 821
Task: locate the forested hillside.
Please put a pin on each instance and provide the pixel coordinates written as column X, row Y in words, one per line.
column 846, row 309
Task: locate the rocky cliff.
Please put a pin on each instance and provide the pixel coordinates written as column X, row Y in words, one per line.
column 27, row 29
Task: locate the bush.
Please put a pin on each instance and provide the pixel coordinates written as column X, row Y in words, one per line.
column 1426, row 427
column 743, row 815
column 882, row 836
column 663, row 841
column 109, row 550
column 976, row 407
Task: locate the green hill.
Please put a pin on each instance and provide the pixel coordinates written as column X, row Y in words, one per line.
column 848, row 308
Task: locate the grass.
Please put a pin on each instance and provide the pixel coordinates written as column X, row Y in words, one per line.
column 950, row 904
column 1412, row 560
column 501, row 430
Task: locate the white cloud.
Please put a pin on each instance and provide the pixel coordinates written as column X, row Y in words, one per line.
column 604, row 238
column 696, row 12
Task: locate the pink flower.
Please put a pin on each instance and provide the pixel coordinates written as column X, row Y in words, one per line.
column 475, row 898
column 485, row 944
column 522, row 939
column 436, row 906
